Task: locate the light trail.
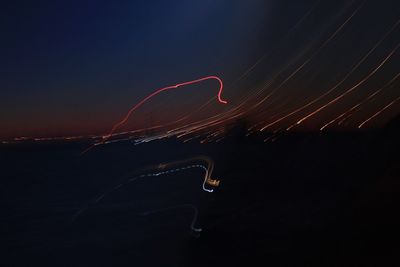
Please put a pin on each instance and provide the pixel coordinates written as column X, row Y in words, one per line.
column 140, row 103
column 316, row 52
column 365, row 100
column 349, row 90
column 208, row 169
column 378, row 113
column 337, row 84
column 263, row 57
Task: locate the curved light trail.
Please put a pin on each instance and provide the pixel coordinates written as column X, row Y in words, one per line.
column 139, row 104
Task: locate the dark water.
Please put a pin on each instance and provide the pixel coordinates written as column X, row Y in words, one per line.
column 302, row 200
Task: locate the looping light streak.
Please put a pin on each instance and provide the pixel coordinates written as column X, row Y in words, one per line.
column 138, row 105
column 163, row 169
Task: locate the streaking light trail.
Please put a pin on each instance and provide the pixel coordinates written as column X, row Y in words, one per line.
column 369, row 98
column 165, row 169
column 338, row 84
column 379, row 112
column 351, row 89
column 138, row 105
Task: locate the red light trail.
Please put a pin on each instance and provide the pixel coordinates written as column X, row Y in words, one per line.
column 138, row 105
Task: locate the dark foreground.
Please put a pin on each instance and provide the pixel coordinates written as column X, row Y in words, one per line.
column 326, row 199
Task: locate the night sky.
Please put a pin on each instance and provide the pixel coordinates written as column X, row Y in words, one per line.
column 76, row 67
